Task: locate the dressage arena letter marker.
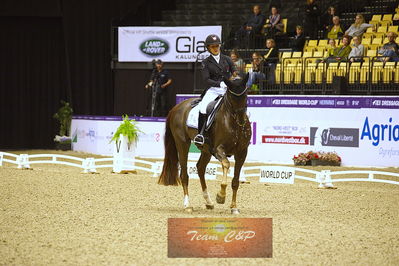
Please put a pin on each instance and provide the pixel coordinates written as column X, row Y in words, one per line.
column 220, row 237
column 277, row 174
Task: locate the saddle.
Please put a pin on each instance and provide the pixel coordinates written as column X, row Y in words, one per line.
column 211, row 109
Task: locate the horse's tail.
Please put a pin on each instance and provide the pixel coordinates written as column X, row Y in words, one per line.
column 170, row 175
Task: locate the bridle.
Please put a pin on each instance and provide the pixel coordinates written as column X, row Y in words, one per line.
column 235, row 111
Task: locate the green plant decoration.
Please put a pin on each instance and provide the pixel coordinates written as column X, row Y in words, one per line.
column 64, row 117
column 129, row 129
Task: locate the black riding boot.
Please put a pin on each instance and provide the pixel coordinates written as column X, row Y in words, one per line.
column 200, row 138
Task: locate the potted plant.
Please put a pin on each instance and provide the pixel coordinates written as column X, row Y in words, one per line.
column 317, row 158
column 125, row 137
column 64, row 117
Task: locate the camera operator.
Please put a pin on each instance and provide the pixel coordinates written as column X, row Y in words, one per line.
column 159, row 82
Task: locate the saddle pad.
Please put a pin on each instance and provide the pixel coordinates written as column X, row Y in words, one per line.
column 192, row 119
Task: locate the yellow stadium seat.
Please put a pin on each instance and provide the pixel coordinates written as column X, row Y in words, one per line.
column 286, row 55
column 331, row 72
column 376, row 17
column 375, row 22
column 366, row 41
column 375, row 44
column 387, row 17
column 396, row 16
column 278, row 73
column 386, row 22
column 309, row 49
column 388, row 72
column 371, row 53
column 307, row 54
column 376, row 72
column 313, row 73
column 296, row 54
column 354, row 72
column 289, row 73
column 323, row 43
column 397, row 74
column 248, row 67
column 369, row 33
column 312, row 43
column 393, row 29
column 318, row 54
column 285, row 23
column 382, row 29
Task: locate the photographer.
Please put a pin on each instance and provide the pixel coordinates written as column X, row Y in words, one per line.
column 159, row 82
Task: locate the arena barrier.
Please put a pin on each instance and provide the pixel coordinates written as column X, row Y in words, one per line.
column 90, row 165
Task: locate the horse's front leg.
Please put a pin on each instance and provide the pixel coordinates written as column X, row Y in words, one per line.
column 221, row 156
column 235, row 183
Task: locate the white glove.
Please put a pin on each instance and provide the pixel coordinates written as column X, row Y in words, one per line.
column 223, row 85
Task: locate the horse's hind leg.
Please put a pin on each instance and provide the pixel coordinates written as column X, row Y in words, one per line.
column 221, row 156
column 183, row 148
column 201, row 167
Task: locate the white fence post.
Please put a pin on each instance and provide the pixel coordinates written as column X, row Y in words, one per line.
column 1, row 158
column 89, row 165
column 23, row 161
column 324, row 179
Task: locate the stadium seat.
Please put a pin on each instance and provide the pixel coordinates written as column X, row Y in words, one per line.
column 285, row 56
column 376, row 18
column 331, row 72
column 307, row 54
column 375, row 44
column 248, row 67
column 389, row 72
column 296, row 58
column 376, row 72
column 387, row 17
column 381, row 31
column 292, row 74
column 369, row 33
column 396, row 16
column 354, row 72
column 366, row 42
column 312, row 43
column 318, row 54
column 371, row 53
column 393, row 28
column 386, row 22
column 278, row 74
column 323, row 43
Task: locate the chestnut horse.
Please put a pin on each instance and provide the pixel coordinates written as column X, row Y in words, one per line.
column 229, row 135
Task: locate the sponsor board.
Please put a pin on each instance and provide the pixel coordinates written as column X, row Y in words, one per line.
column 338, row 137
column 285, row 140
column 210, row 171
column 220, row 237
column 170, row 44
column 276, row 174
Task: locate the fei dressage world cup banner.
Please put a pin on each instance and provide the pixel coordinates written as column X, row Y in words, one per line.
column 170, row 44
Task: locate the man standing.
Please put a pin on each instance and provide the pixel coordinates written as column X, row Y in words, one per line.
column 252, row 26
column 159, row 82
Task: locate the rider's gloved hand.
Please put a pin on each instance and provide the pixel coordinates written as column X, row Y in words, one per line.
column 223, row 85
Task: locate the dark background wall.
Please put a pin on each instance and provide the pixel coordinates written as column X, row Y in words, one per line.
column 60, row 49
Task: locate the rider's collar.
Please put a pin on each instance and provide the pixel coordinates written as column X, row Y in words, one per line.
column 216, row 57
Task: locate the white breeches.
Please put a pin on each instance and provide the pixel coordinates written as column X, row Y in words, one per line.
column 211, row 94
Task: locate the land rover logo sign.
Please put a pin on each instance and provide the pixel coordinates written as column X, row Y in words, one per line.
column 154, row 47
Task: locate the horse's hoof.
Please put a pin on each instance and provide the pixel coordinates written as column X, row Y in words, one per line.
column 235, row 211
column 209, row 207
column 220, row 199
column 189, row 209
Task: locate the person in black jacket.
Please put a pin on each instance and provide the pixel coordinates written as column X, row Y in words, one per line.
column 214, row 68
column 297, row 43
column 252, row 26
column 312, row 14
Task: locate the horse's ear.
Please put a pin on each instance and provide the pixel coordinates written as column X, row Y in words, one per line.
column 245, row 79
column 228, row 82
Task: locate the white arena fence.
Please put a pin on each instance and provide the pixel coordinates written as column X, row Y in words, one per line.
column 90, row 165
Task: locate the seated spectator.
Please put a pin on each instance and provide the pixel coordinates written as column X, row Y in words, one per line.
column 331, row 47
column 359, row 27
column 341, row 53
column 356, row 55
column 272, row 55
column 390, row 50
column 335, row 31
column 252, row 26
column 328, row 18
column 256, row 73
column 297, row 43
column 238, row 62
column 274, row 25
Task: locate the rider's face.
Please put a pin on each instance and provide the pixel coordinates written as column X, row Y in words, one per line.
column 214, row 49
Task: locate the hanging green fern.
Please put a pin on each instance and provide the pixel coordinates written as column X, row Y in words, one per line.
column 129, row 129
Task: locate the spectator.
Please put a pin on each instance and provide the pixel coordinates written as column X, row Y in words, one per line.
column 252, row 26
column 270, row 60
column 341, row 53
column 357, row 50
column 328, row 18
column 312, row 14
column 331, row 47
column 359, row 27
column 256, row 73
column 335, row 31
column 274, row 24
column 299, row 40
column 238, row 62
column 390, row 50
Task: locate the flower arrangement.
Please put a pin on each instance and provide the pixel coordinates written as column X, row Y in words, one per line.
column 129, row 129
column 317, row 158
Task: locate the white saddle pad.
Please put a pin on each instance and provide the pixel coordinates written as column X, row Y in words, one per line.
column 192, row 119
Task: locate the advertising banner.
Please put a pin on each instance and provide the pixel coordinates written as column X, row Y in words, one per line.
column 170, row 44
column 364, row 131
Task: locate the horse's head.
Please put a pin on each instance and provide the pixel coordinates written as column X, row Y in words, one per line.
column 237, row 85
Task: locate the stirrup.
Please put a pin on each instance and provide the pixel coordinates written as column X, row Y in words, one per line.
column 199, row 140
